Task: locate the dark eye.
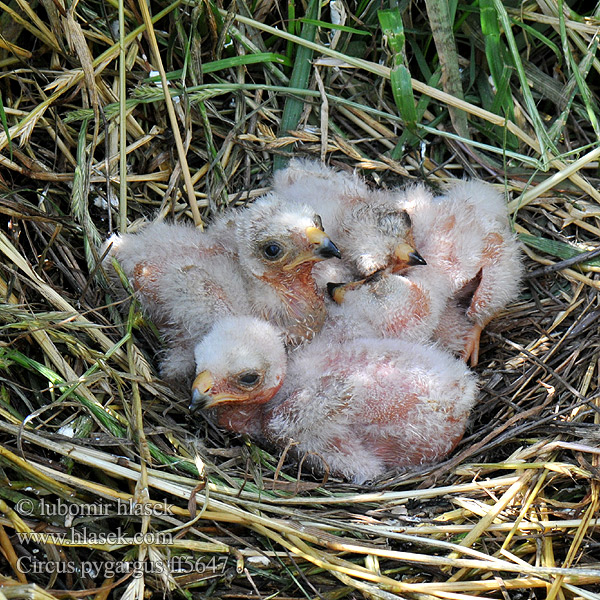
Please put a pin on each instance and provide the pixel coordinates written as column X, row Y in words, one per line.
column 248, row 379
column 318, row 222
column 272, row 250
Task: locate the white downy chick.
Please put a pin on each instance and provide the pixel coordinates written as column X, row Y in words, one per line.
column 370, row 233
column 261, row 264
column 356, row 409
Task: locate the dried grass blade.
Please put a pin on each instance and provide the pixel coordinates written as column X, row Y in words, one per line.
column 181, row 152
column 39, row 30
column 580, row 72
column 122, row 124
column 583, row 88
column 441, row 17
column 29, row 469
column 494, row 511
column 436, row 94
column 53, row 297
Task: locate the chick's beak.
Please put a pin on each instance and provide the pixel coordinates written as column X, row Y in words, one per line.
column 324, row 247
column 337, row 291
column 406, row 256
column 200, row 388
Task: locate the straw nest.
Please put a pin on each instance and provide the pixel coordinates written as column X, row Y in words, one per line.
column 108, row 487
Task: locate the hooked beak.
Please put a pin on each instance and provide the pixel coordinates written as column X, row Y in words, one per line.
column 324, row 247
column 200, row 388
column 202, row 396
column 406, row 256
column 337, row 291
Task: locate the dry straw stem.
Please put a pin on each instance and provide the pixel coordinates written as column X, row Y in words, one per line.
column 54, row 297
column 181, row 151
column 72, row 78
column 289, row 534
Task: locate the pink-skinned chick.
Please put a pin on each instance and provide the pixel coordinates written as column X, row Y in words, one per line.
column 355, row 409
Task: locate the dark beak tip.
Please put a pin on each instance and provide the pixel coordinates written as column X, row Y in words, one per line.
column 416, row 259
column 196, row 402
column 329, row 250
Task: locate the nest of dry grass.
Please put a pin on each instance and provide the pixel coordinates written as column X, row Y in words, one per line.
column 107, row 486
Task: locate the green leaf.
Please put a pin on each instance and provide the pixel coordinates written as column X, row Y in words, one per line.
column 544, row 140
column 300, row 79
column 229, row 63
column 393, row 31
column 558, row 249
column 400, row 79
column 5, row 126
column 403, row 94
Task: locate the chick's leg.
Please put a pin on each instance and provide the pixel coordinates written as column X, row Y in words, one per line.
column 470, row 353
column 479, row 313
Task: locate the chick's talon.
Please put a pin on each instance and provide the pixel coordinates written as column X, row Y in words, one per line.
column 470, row 354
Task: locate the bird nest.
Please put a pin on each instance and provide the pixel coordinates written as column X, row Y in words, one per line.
column 109, row 486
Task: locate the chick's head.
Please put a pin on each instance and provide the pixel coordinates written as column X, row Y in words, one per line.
column 383, row 238
column 275, row 237
column 241, row 360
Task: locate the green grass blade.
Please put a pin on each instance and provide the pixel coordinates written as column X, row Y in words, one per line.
column 533, row 32
column 5, row 127
column 393, row 31
column 500, row 65
column 292, row 28
column 582, row 86
column 403, row 95
column 579, row 74
column 557, row 249
column 544, row 141
column 229, row 63
column 299, row 79
column 325, row 25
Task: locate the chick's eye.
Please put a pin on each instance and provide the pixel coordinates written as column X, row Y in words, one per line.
column 248, row 379
column 272, row 250
column 318, row 222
